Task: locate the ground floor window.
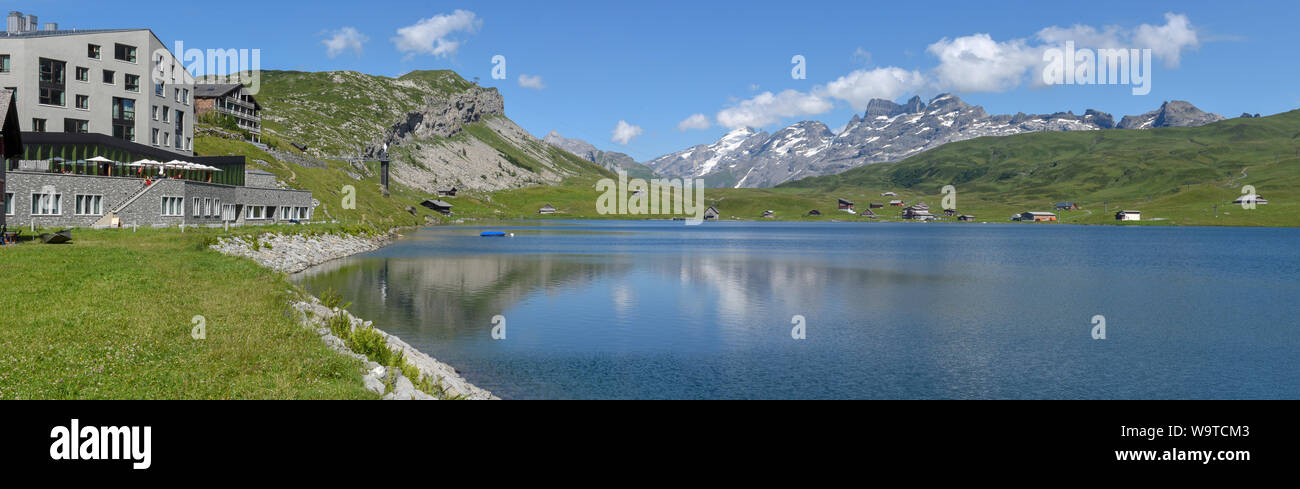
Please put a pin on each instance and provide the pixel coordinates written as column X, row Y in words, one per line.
column 198, row 207
column 228, row 212
column 47, row 204
column 255, row 212
column 217, row 209
column 89, row 205
column 295, row 213
column 173, row 206
column 9, row 204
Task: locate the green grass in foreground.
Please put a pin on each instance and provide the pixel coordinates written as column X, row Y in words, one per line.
column 109, row 316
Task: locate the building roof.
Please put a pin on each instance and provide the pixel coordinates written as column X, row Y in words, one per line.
column 548, row 206
column 209, row 90
column 1038, row 213
column 59, row 33
column 436, row 203
column 258, row 172
column 844, row 201
column 214, row 90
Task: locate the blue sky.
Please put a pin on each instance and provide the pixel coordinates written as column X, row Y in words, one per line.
column 654, row 64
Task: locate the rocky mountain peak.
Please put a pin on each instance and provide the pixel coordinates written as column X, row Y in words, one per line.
column 1173, row 113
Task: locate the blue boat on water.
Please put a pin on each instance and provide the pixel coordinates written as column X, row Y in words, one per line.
column 493, row 234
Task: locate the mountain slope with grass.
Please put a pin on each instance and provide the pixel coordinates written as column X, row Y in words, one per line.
column 1179, row 174
column 440, row 129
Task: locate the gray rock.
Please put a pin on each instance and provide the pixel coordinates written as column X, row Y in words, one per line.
column 373, row 384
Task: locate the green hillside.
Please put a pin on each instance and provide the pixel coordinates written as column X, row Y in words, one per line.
column 1177, row 174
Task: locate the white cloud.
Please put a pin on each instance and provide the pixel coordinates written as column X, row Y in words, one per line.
column 968, row 64
column 977, row 63
column 345, row 39
column 434, row 35
column 767, row 108
column 860, row 86
column 530, row 81
column 695, row 121
column 624, row 132
column 1168, row 41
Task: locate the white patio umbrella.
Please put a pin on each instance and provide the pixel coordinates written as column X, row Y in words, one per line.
column 99, row 159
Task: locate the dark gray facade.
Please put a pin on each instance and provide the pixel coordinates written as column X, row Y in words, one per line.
column 54, row 200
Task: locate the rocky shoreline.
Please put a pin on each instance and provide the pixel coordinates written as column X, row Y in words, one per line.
column 378, row 378
column 292, row 253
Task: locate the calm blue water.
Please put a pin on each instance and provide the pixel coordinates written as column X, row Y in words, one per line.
column 602, row 309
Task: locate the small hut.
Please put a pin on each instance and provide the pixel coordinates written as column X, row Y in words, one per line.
column 876, row 205
column 814, row 212
column 950, row 212
column 769, row 215
column 546, row 209
column 447, row 191
column 711, row 214
column 846, row 205
column 966, row 218
column 438, row 206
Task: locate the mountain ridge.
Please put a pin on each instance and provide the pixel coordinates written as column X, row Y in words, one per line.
column 885, row 132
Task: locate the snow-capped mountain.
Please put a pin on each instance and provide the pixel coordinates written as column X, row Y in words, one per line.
column 886, row 133
column 612, row 161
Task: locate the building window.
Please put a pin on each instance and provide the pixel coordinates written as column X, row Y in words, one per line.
column 83, row 74
column 153, row 137
column 198, row 207
column 217, row 209
column 52, row 82
column 110, row 77
column 167, row 111
column 83, row 102
column 177, row 91
column 173, row 206
column 180, row 129
column 38, row 125
column 189, row 143
column 5, row 63
column 92, row 51
column 185, row 96
column 124, row 118
column 132, row 83
column 255, row 212
column 160, row 89
column 167, row 139
column 123, row 52
column 47, row 204
column 89, row 205
column 155, row 112
column 9, row 203
column 76, row 126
